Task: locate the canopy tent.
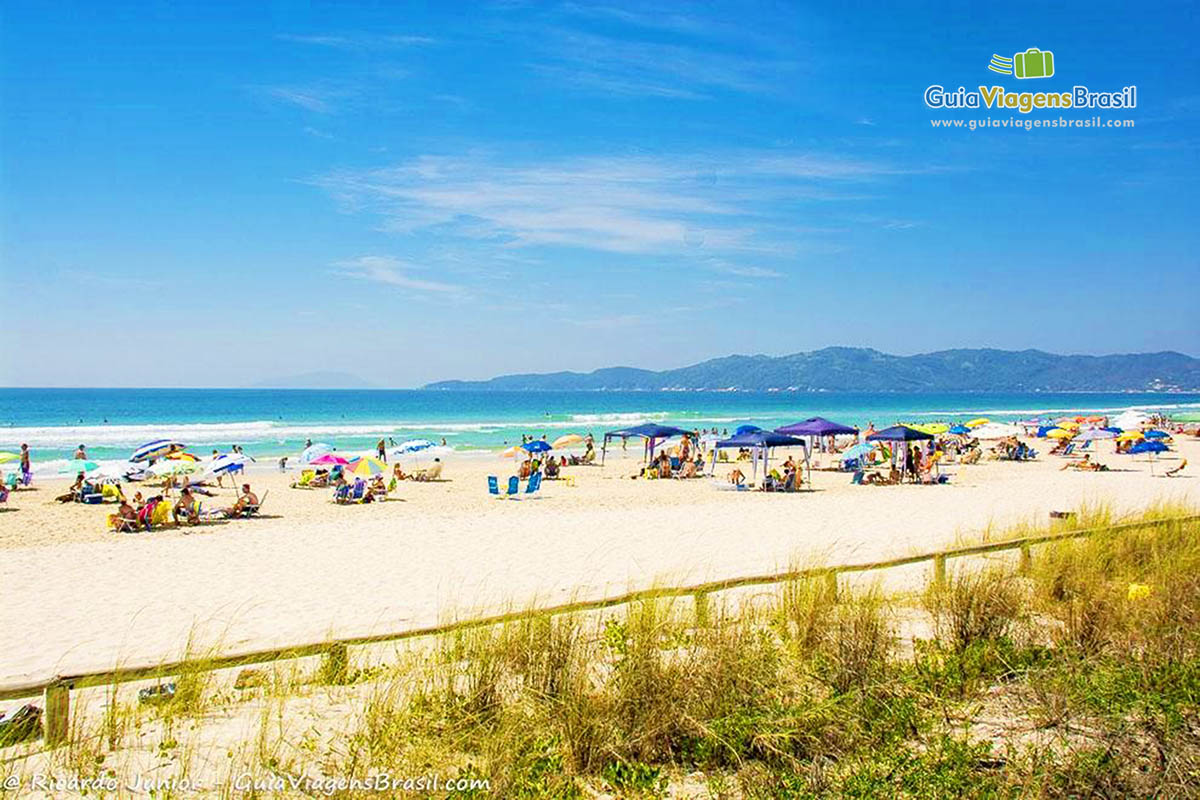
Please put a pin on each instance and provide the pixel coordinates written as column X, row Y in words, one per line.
column 900, row 433
column 816, row 426
column 651, row 432
column 761, row 442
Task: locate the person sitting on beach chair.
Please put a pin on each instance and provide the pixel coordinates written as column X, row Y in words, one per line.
column 247, row 503
column 551, row 471
column 187, row 507
column 1171, row 473
column 125, row 520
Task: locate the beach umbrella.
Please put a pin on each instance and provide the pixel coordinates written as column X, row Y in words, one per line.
column 1060, row 433
column 329, row 460
column 229, row 462
column 179, row 455
column 536, row 446
column 1150, row 446
column 78, row 465
column 1156, row 434
column 170, row 467
column 1094, row 433
column 960, row 430
column 509, row 452
column 995, row 430
column 155, row 449
column 366, row 467
column 857, row 451
column 412, row 446
column 935, row 428
column 1187, row 416
column 567, row 440
column 6, row 456
column 313, row 451
column 746, row 429
column 1131, row 436
column 975, row 423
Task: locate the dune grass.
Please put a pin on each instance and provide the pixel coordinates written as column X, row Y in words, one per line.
column 1078, row 676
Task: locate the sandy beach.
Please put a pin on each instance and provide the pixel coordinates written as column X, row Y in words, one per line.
column 78, row 598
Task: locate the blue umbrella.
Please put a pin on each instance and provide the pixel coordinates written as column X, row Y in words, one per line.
column 746, row 429
column 960, row 430
column 857, row 451
column 898, row 433
column 1149, row 446
column 155, row 449
column 413, row 446
column 1157, row 435
column 537, row 446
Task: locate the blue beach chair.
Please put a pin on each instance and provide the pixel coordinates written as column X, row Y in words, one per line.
column 493, row 485
column 514, row 486
column 535, row 483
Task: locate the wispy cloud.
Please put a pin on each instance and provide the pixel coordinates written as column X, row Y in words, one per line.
column 307, row 98
column 357, row 41
column 391, row 272
column 726, row 203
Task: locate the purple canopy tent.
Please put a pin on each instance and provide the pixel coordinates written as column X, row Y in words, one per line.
column 651, row 432
column 761, row 441
column 815, row 428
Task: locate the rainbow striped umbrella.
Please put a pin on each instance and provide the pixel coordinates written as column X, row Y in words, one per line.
column 366, row 467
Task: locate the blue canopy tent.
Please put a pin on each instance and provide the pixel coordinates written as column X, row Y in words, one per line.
column 761, row 442
column 651, row 432
column 899, row 433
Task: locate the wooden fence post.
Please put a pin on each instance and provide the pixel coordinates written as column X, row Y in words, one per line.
column 939, row 571
column 56, row 719
column 1026, row 563
column 831, row 584
column 335, row 665
column 700, row 604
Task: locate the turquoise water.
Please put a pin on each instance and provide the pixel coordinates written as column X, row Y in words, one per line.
column 274, row 422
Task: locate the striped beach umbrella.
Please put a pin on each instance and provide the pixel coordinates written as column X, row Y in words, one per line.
column 412, row 446
column 366, row 467
column 229, row 462
column 155, row 449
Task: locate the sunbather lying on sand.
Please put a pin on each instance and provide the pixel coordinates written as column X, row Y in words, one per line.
column 1086, row 464
column 1171, row 473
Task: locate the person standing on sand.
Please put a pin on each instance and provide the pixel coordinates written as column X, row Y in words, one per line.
column 381, row 448
column 26, row 468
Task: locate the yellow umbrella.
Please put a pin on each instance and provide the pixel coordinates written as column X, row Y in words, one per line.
column 1130, row 436
column 975, row 423
column 1059, row 433
column 367, row 466
column 567, row 440
column 1069, row 425
column 932, row 428
column 7, row 456
column 510, row 452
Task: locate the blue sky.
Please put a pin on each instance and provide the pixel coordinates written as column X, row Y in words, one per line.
column 218, row 193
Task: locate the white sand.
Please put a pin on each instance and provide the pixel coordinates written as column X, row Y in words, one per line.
column 78, row 599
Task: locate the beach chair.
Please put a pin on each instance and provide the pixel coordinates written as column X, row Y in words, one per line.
column 252, row 510
column 3, row 495
column 535, row 483
column 493, row 485
column 342, row 494
column 514, row 486
column 306, row 477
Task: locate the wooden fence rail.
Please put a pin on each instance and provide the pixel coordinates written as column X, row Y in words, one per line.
column 56, row 691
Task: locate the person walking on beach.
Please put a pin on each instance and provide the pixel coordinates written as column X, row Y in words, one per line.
column 26, row 468
column 381, row 448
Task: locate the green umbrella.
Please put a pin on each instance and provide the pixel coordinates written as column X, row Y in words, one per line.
column 1187, row 416
column 6, row 456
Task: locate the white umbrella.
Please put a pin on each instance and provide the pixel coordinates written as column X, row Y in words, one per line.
column 229, row 462
column 314, row 450
column 995, row 430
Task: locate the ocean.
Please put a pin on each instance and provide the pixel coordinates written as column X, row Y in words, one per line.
column 268, row 423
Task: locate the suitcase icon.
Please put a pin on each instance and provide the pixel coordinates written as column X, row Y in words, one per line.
column 1033, row 63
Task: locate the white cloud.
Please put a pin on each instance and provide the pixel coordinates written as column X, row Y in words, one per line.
column 726, row 203
column 391, row 272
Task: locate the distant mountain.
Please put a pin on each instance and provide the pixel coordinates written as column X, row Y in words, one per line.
column 315, row 380
column 848, row 369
